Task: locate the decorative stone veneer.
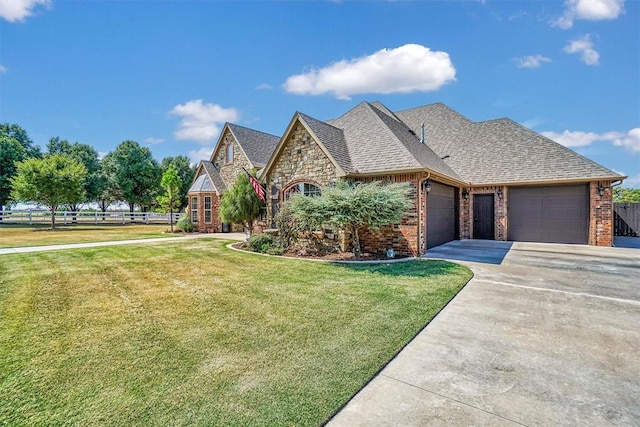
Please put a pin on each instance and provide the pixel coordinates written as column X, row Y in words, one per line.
column 500, row 213
column 230, row 171
column 600, row 214
column 300, row 160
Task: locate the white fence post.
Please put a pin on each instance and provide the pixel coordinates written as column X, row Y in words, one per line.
column 96, row 218
column 30, row 218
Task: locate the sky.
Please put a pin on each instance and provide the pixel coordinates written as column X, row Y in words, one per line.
column 169, row 74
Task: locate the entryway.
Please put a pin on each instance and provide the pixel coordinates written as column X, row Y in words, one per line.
column 483, row 217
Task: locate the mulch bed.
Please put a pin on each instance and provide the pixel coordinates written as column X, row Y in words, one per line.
column 305, row 253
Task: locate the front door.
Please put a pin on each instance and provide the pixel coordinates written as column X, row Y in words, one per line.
column 483, row 217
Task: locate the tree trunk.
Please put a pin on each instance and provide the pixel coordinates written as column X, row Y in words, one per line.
column 131, row 207
column 356, row 243
column 1, row 213
column 171, row 216
column 53, row 217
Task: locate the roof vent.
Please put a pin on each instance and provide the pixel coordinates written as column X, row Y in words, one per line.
column 422, row 133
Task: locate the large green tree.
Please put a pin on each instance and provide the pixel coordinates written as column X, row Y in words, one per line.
column 54, row 180
column 171, row 184
column 15, row 146
column 626, row 195
column 240, row 204
column 352, row 207
column 185, row 172
column 88, row 156
column 133, row 175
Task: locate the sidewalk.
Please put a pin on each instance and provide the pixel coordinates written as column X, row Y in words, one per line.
column 27, row 249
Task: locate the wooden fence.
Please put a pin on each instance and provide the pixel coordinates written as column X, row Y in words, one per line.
column 626, row 219
column 33, row 216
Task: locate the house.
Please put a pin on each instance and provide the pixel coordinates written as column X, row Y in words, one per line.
column 469, row 180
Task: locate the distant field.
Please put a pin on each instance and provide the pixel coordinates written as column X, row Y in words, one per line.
column 190, row 333
column 12, row 236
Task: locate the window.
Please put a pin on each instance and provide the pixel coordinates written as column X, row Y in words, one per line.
column 207, row 209
column 229, row 154
column 303, row 188
column 194, row 210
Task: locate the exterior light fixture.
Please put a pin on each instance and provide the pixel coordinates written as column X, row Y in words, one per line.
column 600, row 190
column 427, row 185
column 499, row 193
column 465, row 194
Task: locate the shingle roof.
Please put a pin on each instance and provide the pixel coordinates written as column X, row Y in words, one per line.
column 377, row 142
column 498, row 151
column 258, row 146
column 333, row 140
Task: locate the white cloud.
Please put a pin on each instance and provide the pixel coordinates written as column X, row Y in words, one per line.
column 203, row 153
column 630, row 141
column 591, row 10
column 264, row 86
column 531, row 61
column 18, row 10
column 408, row 68
column 632, row 181
column 3, row 69
column 201, row 122
column 584, row 47
column 153, row 140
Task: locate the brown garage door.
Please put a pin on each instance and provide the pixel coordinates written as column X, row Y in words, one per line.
column 551, row 214
column 441, row 215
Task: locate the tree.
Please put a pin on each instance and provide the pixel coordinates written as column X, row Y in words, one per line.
column 15, row 146
column 51, row 181
column 133, row 175
column 171, row 183
column 353, row 206
column 185, row 172
column 241, row 203
column 88, row 156
column 626, row 195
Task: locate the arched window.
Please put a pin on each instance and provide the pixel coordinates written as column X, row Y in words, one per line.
column 304, row 188
column 229, row 154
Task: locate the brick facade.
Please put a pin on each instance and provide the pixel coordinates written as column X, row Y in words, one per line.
column 499, row 211
column 202, row 226
column 600, row 214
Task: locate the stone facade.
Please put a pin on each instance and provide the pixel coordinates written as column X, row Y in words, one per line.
column 600, row 214
column 230, row 170
column 300, row 160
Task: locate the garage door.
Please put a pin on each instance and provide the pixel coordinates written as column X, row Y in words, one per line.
column 553, row 214
column 441, row 215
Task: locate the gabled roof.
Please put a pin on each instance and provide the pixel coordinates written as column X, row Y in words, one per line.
column 377, row 141
column 499, row 151
column 257, row 146
column 207, row 179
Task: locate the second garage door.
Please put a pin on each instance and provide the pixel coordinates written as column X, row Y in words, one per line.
column 550, row 214
column 441, row 215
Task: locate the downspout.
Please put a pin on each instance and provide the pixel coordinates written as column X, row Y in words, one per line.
column 422, row 228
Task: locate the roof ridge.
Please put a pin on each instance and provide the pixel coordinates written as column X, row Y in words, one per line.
column 251, row 129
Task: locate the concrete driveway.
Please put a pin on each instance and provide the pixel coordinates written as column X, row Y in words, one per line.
column 544, row 334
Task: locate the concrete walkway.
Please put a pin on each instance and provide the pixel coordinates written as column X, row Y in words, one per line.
column 542, row 335
column 27, row 249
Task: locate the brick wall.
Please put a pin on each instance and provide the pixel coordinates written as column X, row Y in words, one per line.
column 215, row 225
column 499, row 212
column 600, row 214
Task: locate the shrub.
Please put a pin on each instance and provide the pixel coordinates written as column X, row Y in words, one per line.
column 184, row 224
column 265, row 244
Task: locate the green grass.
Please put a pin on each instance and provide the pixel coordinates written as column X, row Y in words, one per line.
column 13, row 236
column 192, row 333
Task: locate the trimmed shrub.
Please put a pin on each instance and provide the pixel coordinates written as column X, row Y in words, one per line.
column 184, row 224
column 265, row 244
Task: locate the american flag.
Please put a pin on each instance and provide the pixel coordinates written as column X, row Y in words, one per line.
column 257, row 187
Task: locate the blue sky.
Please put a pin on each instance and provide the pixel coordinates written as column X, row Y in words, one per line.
column 168, row 74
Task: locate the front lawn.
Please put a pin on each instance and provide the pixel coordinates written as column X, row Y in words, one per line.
column 192, row 333
column 12, row 236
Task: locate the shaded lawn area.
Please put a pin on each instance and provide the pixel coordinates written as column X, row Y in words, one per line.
column 13, row 236
column 192, row 333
